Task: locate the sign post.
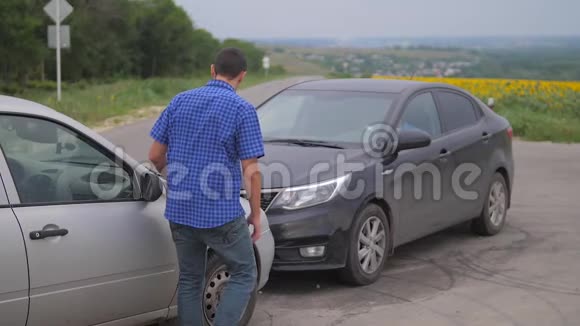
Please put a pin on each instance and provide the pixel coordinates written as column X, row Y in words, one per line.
column 266, row 64
column 58, row 10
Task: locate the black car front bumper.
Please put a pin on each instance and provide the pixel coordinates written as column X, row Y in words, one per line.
column 325, row 225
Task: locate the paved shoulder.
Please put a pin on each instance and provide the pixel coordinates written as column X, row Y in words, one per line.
column 134, row 138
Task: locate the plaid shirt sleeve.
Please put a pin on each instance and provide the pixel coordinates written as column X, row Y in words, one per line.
column 160, row 130
column 249, row 142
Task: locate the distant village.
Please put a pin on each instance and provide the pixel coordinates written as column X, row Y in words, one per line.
column 360, row 65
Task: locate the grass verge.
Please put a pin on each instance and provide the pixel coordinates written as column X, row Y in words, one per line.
column 92, row 104
column 542, row 125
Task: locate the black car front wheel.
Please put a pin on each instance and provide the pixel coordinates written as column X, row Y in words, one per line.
column 216, row 278
column 368, row 247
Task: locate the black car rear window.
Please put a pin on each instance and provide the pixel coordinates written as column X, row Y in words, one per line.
column 456, row 110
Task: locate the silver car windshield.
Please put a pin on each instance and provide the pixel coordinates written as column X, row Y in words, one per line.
column 323, row 116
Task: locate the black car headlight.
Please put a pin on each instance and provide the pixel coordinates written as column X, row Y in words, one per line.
column 310, row 195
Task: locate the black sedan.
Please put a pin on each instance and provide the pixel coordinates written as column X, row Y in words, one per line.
column 355, row 168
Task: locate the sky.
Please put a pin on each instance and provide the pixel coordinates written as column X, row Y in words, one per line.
column 384, row 18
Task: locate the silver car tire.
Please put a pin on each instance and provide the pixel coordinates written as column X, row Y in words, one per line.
column 216, row 278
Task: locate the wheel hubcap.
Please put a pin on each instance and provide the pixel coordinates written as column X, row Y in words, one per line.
column 497, row 203
column 371, row 245
column 213, row 290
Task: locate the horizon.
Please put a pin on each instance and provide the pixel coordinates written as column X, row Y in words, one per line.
column 531, row 36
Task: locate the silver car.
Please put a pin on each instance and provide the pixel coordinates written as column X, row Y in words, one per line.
column 83, row 240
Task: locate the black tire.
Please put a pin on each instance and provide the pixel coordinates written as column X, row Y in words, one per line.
column 353, row 272
column 484, row 224
column 216, row 267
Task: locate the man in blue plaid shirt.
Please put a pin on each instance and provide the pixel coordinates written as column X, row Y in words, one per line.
column 201, row 137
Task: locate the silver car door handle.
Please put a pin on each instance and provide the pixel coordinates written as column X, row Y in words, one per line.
column 39, row 235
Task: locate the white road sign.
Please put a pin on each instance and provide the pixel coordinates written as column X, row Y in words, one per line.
column 266, row 62
column 64, row 7
column 64, row 36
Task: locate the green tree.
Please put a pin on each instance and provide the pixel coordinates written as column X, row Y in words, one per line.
column 110, row 39
column 165, row 39
column 21, row 46
column 103, row 41
column 204, row 50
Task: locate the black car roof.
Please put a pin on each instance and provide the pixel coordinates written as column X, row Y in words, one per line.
column 362, row 85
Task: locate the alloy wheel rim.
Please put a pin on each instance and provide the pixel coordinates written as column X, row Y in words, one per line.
column 497, row 203
column 371, row 244
column 213, row 290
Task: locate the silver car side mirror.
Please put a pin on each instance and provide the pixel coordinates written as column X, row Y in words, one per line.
column 151, row 187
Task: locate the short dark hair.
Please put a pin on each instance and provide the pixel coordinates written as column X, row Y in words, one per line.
column 230, row 62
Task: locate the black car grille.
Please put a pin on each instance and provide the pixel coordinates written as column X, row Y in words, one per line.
column 265, row 200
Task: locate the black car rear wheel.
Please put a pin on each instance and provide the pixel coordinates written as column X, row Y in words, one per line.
column 368, row 247
column 494, row 210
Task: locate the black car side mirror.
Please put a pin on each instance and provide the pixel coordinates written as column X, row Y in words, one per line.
column 409, row 139
column 151, row 187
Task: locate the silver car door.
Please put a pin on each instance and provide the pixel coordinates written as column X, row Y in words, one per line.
column 106, row 255
column 13, row 267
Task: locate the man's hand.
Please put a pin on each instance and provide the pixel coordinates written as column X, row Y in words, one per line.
column 158, row 155
column 254, row 220
column 253, row 185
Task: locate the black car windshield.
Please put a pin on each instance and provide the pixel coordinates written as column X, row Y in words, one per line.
column 323, row 116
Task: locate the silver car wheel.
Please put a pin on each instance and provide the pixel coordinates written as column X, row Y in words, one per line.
column 497, row 203
column 214, row 287
column 372, row 242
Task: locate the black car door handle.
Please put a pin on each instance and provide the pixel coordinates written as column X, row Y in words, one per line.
column 444, row 153
column 39, row 235
column 485, row 136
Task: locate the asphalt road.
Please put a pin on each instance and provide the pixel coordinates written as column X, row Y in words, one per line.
column 527, row 275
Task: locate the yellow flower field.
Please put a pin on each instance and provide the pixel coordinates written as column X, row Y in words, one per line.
column 536, row 109
column 552, row 94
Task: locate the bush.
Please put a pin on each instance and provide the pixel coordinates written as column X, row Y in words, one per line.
column 45, row 85
column 339, row 75
column 10, row 88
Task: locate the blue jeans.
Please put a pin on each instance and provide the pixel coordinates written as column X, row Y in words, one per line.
column 233, row 244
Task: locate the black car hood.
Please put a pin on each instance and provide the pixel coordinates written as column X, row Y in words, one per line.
column 287, row 165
